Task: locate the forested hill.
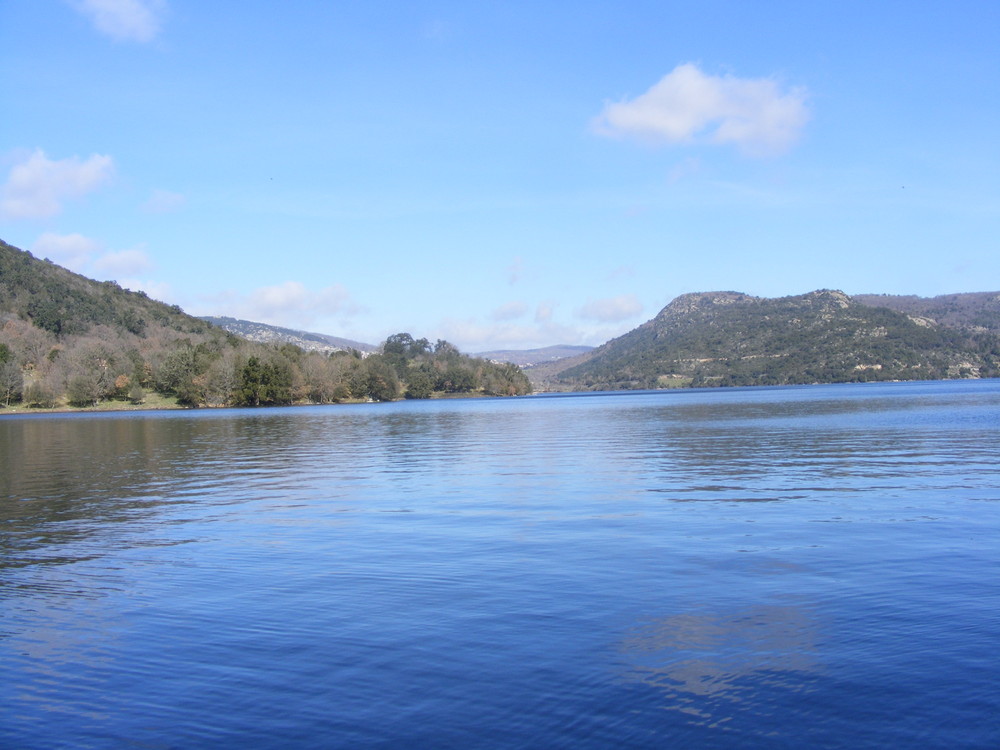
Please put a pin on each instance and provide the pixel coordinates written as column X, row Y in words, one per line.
column 970, row 311
column 66, row 340
column 64, row 303
column 729, row 338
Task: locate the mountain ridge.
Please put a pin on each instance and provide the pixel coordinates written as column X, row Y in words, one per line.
column 267, row 333
column 965, row 310
column 732, row 338
column 59, row 329
column 528, row 358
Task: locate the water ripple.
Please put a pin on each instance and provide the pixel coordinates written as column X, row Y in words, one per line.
column 763, row 567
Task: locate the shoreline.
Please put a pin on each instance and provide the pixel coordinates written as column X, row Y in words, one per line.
column 119, row 407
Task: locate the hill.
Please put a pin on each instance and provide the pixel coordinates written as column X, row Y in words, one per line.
column 974, row 311
column 529, row 358
column 66, row 340
column 730, row 338
column 64, row 303
column 264, row 333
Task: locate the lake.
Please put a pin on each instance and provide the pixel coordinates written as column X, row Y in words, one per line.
column 811, row 566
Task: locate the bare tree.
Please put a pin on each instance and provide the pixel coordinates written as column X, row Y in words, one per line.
column 11, row 381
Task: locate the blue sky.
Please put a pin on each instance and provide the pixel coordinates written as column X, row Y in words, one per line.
column 501, row 175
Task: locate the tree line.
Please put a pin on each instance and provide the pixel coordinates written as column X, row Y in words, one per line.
column 41, row 369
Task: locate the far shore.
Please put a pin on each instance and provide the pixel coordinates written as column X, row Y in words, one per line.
column 162, row 403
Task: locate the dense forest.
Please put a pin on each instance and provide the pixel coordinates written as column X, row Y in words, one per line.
column 69, row 340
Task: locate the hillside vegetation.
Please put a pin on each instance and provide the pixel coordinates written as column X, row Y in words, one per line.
column 69, row 340
column 972, row 311
column 734, row 339
column 63, row 304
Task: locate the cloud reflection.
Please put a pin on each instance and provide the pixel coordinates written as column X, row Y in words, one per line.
column 704, row 663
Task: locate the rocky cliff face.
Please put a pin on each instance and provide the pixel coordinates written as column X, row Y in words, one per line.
column 693, row 302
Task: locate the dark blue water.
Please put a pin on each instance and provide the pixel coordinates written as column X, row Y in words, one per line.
column 777, row 567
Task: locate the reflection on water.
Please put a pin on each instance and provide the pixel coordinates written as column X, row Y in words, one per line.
column 722, row 655
column 739, row 567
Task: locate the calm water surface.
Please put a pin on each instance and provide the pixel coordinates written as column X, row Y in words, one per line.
column 775, row 567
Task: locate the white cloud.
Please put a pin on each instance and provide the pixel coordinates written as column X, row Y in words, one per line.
column 77, row 253
column 290, row 304
column 606, row 320
column 471, row 336
column 509, row 311
column 71, row 251
column 124, row 20
column 123, row 263
column 163, row 201
column 688, row 106
column 37, row 186
column 611, row 309
column 154, row 289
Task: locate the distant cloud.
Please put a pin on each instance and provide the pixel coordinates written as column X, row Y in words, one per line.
column 37, row 186
column 596, row 323
column 294, row 296
column 123, row 263
column 163, row 201
column 71, row 251
column 515, row 270
column 290, row 304
column 154, row 289
column 509, row 311
column 612, row 309
column 76, row 252
column 84, row 255
column 471, row 336
column 688, row 106
column 124, row 20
